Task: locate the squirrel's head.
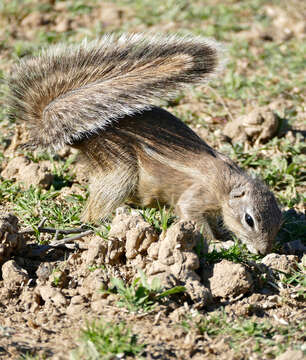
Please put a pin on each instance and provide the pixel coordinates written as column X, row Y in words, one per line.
column 251, row 212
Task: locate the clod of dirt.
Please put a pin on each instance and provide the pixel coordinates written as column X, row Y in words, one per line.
column 284, row 26
column 94, row 282
column 230, row 280
column 51, row 295
column 80, row 171
column 220, row 245
column 110, row 14
column 13, row 275
column 10, row 240
column 102, row 251
column 133, row 243
column 59, row 278
column 77, row 305
column 135, row 233
column 284, row 263
column 44, row 271
column 291, row 354
column 259, row 125
column 176, row 261
column 21, row 136
column 32, row 20
column 139, row 239
column 21, row 169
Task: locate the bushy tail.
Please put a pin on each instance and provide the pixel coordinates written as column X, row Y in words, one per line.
column 74, row 90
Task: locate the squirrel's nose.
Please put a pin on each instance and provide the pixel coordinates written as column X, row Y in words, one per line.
column 261, row 249
column 264, row 249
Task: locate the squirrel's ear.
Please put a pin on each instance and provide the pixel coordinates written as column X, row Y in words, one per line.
column 235, row 195
column 237, row 192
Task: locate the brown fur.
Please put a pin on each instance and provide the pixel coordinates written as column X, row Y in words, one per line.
column 154, row 159
column 72, row 90
column 96, row 97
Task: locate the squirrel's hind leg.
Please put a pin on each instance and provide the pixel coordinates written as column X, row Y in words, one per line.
column 109, row 190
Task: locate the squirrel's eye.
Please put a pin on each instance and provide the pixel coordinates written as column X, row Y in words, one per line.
column 249, row 220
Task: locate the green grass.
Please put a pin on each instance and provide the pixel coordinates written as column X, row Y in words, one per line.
column 32, row 357
column 142, row 296
column 160, row 218
column 80, row 7
column 61, row 171
column 62, row 168
column 33, row 204
column 103, row 229
column 237, row 253
column 9, row 190
column 23, row 48
column 248, row 335
column 296, row 280
column 220, row 20
column 264, row 84
column 106, row 341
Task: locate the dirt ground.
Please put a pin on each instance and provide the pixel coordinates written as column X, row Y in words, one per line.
column 47, row 295
column 235, row 305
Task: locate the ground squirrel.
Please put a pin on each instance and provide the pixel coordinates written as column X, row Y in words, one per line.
column 99, row 97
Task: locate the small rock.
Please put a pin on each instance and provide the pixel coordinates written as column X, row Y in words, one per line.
column 52, row 295
column 63, row 24
column 134, row 232
column 76, row 300
column 156, row 268
column 291, row 355
column 110, row 15
column 59, row 278
column 10, row 240
column 179, row 238
column 283, row 26
column 153, row 251
column 122, row 223
column 230, row 280
column 31, row 20
column 220, row 245
column 97, row 306
column 139, row 239
column 177, row 261
column 76, row 309
column 115, row 249
column 284, row 263
column 94, row 282
column 13, row 275
column 97, row 249
column 259, row 125
column 44, row 271
column 200, row 294
column 29, row 173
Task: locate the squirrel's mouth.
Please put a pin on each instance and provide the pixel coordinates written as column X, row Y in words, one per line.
column 259, row 249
